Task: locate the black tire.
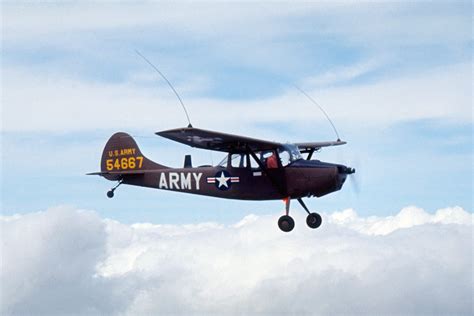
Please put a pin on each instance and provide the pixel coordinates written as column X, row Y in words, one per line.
column 314, row 220
column 286, row 223
column 110, row 194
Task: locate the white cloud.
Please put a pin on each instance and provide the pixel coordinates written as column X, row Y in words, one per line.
column 368, row 23
column 32, row 103
column 43, row 95
column 71, row 261
column 408, row 217
column 343, row 73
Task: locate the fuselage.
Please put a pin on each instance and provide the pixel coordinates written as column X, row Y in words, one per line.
column 300, row 178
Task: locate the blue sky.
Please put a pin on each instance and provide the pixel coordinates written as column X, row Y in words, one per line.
column 395, row 78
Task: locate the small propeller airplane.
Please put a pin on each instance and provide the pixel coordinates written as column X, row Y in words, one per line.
column 254, row 169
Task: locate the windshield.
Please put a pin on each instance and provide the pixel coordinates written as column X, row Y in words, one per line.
column 289, row 153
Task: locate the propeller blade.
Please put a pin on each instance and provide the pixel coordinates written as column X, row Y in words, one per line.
column 355, row 184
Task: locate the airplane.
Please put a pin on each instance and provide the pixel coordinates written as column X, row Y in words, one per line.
column 253, row 169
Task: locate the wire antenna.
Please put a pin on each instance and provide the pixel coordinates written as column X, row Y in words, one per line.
column 169, row 83
column 321, row 108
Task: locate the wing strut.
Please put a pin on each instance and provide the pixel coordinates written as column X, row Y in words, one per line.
column 274, row 181
column 310, row 153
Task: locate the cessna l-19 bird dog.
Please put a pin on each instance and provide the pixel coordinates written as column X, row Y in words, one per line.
column 254, row 169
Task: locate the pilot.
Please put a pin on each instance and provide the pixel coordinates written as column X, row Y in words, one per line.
column 272, row 162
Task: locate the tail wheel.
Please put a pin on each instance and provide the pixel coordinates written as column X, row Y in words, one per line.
column 286, row 223
column 314, row 220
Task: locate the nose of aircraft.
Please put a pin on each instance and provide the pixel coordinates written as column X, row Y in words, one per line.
column 343, row 171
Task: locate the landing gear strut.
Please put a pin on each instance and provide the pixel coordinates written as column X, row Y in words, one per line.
column 286, row 222
column 110, row 193
column 313, row 220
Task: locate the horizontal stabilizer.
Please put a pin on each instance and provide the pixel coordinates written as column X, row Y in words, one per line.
column 123, row 172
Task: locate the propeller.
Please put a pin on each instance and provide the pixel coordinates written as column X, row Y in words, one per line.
column 355, row 177
column 355, row 184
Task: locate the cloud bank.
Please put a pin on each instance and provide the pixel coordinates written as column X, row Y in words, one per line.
column 65, row 260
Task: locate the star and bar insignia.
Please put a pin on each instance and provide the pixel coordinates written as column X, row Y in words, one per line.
column 223, row 180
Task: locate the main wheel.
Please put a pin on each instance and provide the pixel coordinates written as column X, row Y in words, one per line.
column 110, row 194
column 314, row 220
column 286, row 223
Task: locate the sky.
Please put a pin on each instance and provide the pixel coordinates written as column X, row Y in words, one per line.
column 395, row 78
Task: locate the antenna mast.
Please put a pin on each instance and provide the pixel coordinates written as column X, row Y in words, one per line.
column 321, row 108
column 169, row 83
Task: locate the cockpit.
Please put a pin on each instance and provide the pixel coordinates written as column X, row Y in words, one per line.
column 289, row 153
column 282, row 157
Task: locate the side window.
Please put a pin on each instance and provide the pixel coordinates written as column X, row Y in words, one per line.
column 253, row 163
column 285, row 158
column 266, row 154
column 269, row 159
column 238, row 161
column 223, row 162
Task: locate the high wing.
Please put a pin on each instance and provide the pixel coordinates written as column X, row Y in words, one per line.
column 313, row 146
column 217, row 141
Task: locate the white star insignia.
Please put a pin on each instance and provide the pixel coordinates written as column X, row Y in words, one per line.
column 223, row 180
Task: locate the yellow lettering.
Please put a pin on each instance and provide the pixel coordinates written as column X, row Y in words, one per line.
column 131, row 163
column 109, row 165
column 124, row 163
column 140, row 161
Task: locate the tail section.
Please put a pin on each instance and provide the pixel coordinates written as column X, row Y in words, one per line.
column 122, row 156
